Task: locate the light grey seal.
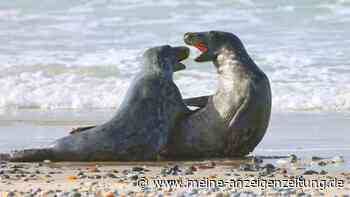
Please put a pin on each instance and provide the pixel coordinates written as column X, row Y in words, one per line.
column 233, row 121
column 140, row 129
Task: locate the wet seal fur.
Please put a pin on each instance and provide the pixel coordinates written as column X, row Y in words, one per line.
column 234, row 120
column 141, row 126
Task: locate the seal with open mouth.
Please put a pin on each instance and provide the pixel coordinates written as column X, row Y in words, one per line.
column 141, row 126
column 233, row 121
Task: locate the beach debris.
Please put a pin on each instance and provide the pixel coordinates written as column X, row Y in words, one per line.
column 338, row 159
column 109, row 194
column 212, row 177
column 292, row 158
column 323, row 172
column 174, row 170
column 138, row 169
column 334, row 160
column 303, row 194
column 110, row 175
column 193, row 168
column 248, row 167
column 133, row 177
column 222, row 194
column 47, row 161
column 322, row 163
column 317, row 193
column 94, row 169
column 80, row 173
column 268, row 169
column 209, row 165
column 189, row 171
column 257, row 160
column 72, row 178
column 75, row 194
column 315, row 158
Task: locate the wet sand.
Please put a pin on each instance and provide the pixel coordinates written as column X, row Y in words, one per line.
column 303, row 134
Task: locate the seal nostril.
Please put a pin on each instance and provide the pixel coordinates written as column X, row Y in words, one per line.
column 187, row 36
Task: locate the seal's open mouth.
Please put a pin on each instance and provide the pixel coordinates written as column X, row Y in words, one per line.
column 194, row 39
column 181, row 53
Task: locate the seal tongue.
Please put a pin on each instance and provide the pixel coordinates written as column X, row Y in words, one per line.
column 201, row 46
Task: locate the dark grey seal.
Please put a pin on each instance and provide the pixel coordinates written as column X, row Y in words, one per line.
column 233, row 121
column 141, row 126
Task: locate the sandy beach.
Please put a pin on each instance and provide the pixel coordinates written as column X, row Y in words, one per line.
column 318, row 141
column 247, row 177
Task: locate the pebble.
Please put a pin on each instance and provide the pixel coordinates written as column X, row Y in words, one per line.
column 310, row 172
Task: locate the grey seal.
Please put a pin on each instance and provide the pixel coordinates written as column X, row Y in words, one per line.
column 140, row 128
column 234, row 120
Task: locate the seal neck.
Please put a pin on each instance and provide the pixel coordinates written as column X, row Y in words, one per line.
column 156, row 66
column 234, row 63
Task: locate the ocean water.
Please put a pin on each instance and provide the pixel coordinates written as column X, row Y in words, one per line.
column 68, row 63
column 83, row 54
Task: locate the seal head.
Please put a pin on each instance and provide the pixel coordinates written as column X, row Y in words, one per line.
column 212, row 43
column 165, row 59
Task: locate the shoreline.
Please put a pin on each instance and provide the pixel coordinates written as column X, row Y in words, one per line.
column 304, row 134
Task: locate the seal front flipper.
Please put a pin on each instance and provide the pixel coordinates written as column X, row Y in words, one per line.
column 80, row 129
column 197, row 101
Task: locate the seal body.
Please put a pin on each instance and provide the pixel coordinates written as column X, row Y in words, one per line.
column 140, row 128
column 233, row 121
